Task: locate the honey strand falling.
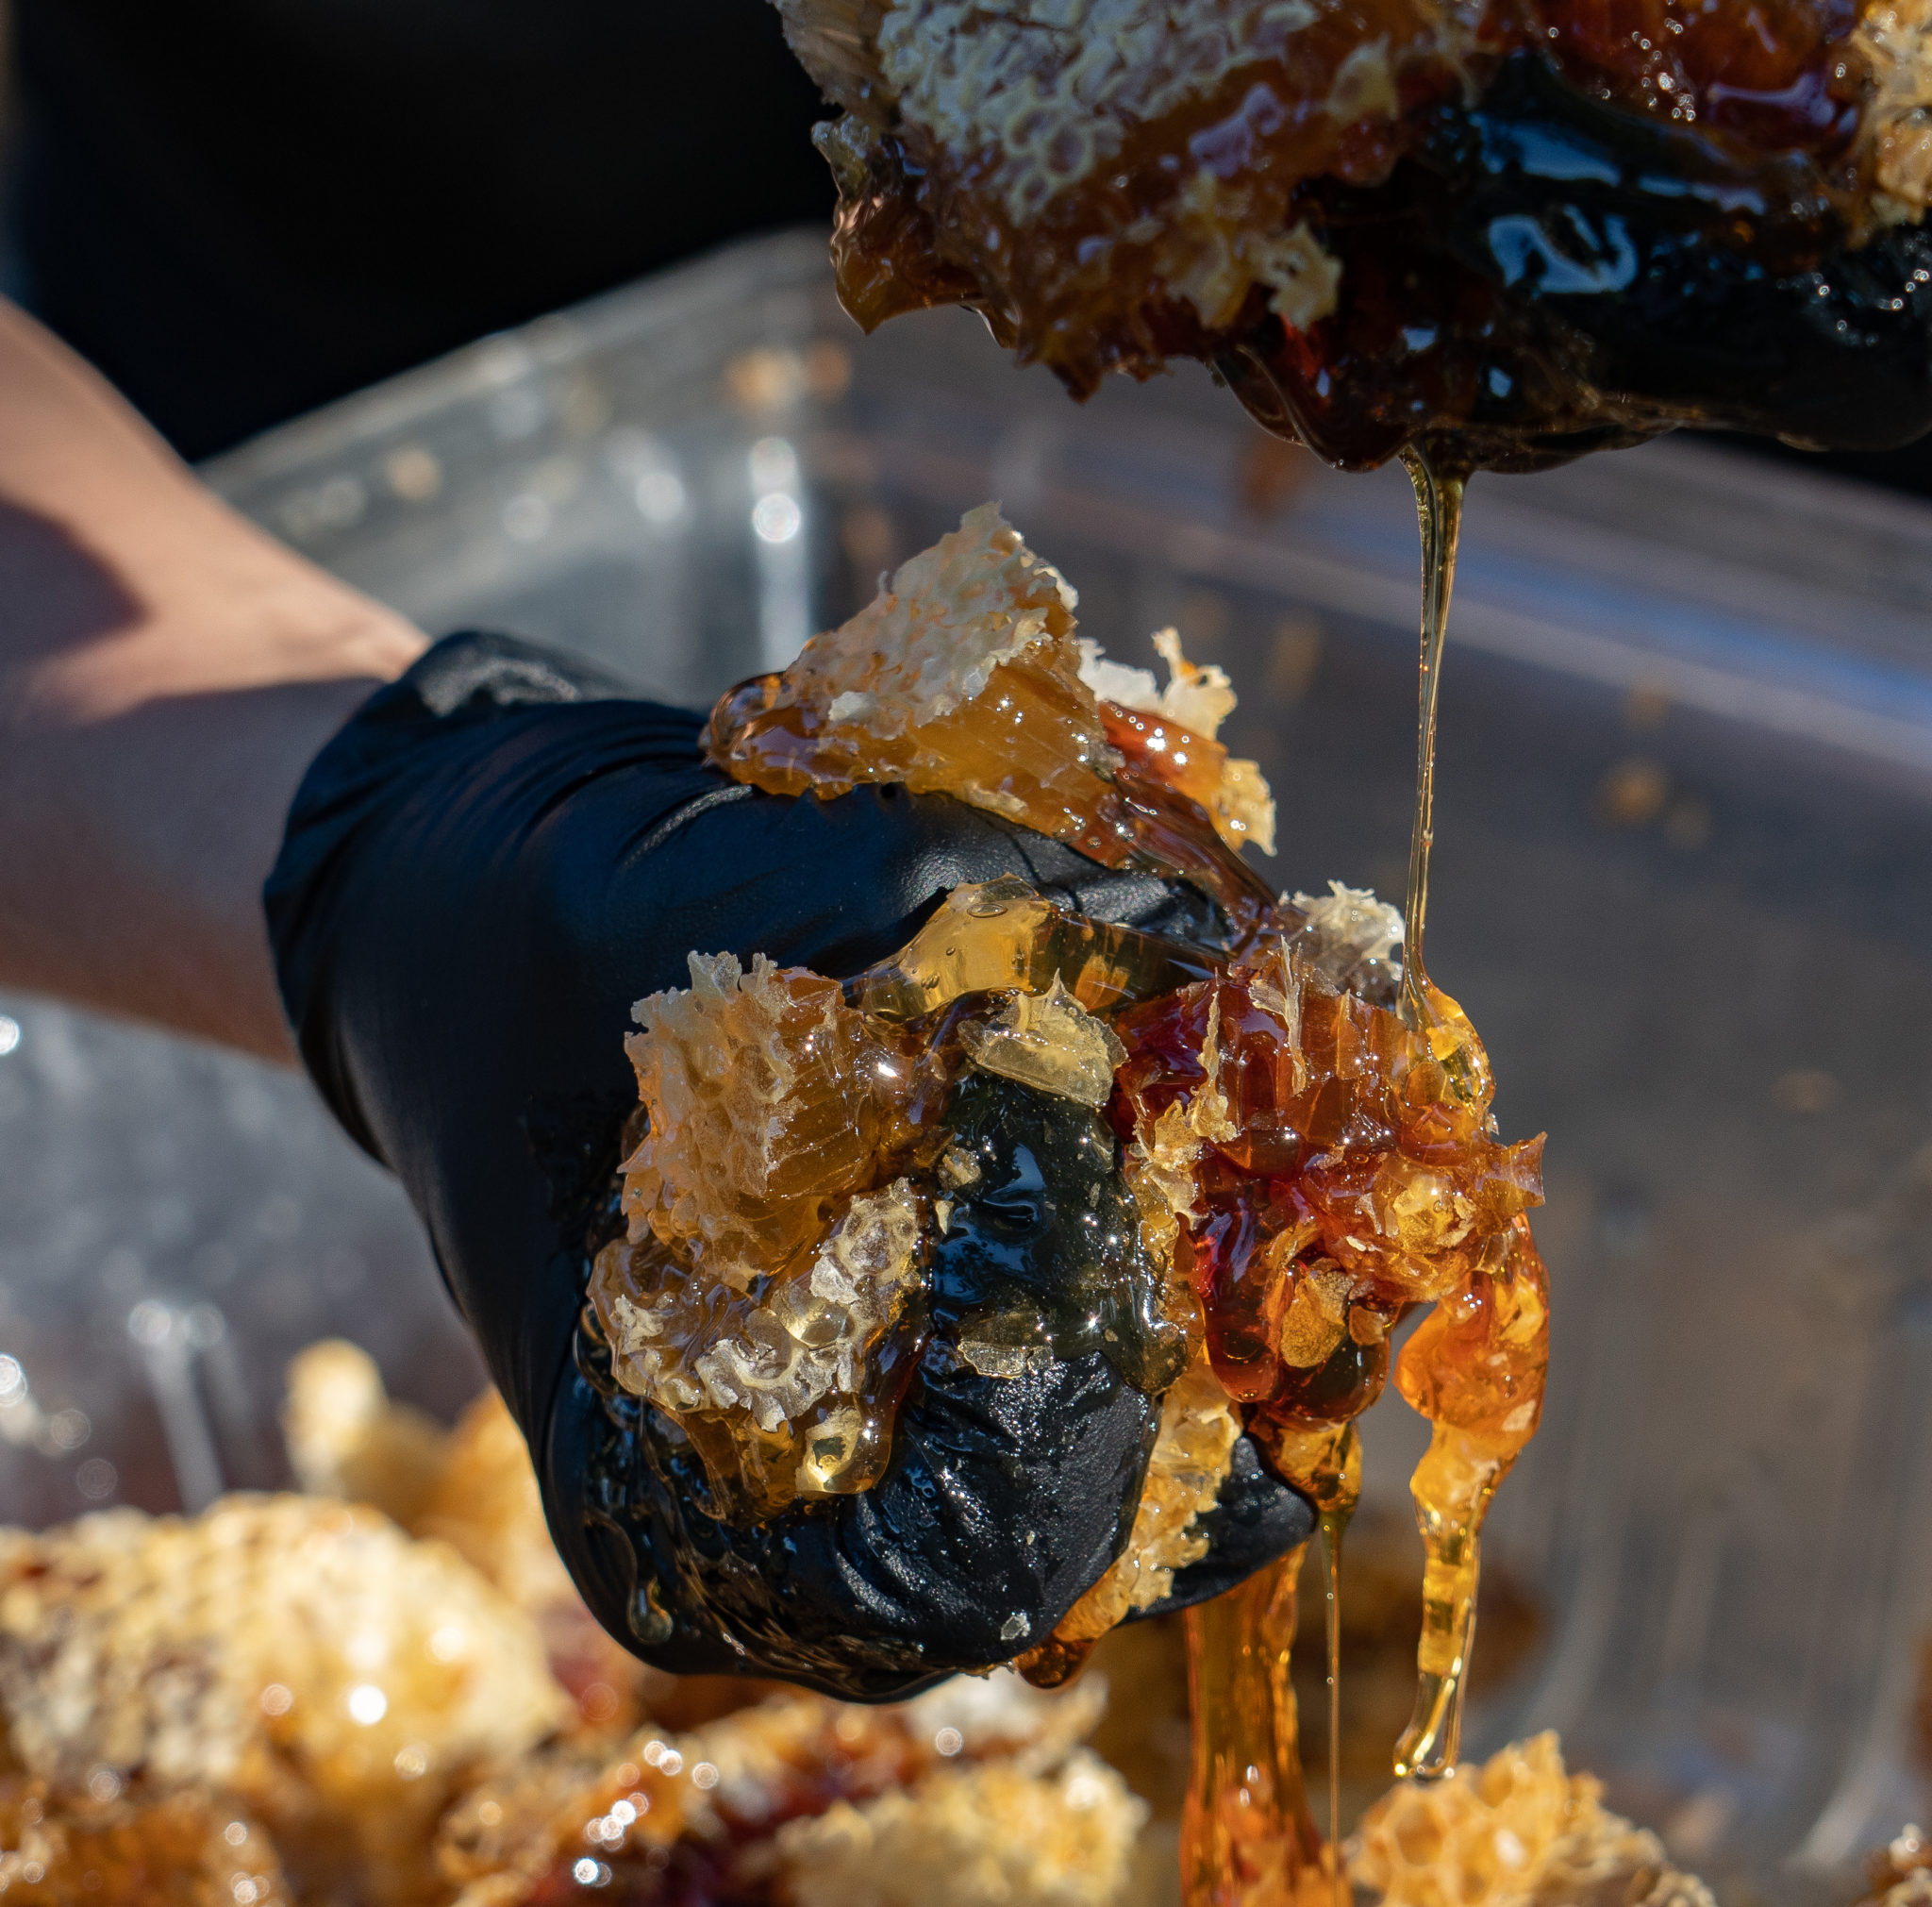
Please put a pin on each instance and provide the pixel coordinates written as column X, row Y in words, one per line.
column 1247, row 1838
column 1438, row 508
column 1333, row 1526
column 1451, row 1521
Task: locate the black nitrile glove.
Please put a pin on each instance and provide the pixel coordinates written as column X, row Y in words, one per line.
column 482, row 871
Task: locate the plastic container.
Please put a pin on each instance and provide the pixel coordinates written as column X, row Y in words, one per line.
column 1684, row 836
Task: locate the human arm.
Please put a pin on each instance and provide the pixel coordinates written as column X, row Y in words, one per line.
column 167, row 672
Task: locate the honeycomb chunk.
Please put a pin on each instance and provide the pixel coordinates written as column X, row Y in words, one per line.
column 963, row 677
column 786, row 1389
column 305, row 1656
column 471, row 1487
column 1517, row 1831
column 768, row 1099
column 1170, row 732
column 699, row 1815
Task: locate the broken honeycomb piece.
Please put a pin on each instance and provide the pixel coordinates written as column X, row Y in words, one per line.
column 788, row 1389
column 1047, row 1042
column 1170, row 733
column 305, row 1656
column 963, row 677
column 189, row 1849
column 979, row 1836
column 1350, row 937
column 1112, row 186
column 484, row 1503
column 1516, row 1830
column 768, row 1099
column 995, row 935
column 1192, row 1452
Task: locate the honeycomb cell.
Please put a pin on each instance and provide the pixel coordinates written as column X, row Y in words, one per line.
column 1504, row 233
column 768, row 1099
column 787, row 1389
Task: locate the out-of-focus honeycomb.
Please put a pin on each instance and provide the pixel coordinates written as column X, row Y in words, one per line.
column 470, row 1487
column 189, row 1848
column 971, row 1837
column 292, row 1703
column 1519, row 1829
column 306, row 1656
column 1901, row 1872
column 721, row 1813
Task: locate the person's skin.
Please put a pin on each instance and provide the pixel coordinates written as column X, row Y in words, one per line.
column 167, row 672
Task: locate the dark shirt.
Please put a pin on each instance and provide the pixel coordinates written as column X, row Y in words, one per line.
column 241, row 208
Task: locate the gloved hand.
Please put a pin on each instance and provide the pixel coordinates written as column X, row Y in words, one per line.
column 482, row 871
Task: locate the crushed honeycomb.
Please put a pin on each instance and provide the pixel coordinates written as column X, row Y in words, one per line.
column 1269, row 187
column 1517, row 1829
column 189, row 1848
column 1114, row 182
column 338, row 1679
column 964, row 677
column 1328, row 1167
column 786, row 1390
column 779, row 1097
column 1172, row 730
column 999, row 936
column 1046, row 1041
column 768, row 1295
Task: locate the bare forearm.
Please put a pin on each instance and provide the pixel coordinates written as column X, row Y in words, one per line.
column 166, row 674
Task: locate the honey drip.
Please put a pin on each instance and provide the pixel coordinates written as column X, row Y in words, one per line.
column 1247, row 1838
column 1333, row 1529
column 1438, row 508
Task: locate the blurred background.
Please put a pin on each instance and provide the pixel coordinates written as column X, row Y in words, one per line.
column 1685, row 823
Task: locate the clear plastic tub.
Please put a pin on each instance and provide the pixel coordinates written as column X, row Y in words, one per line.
column 1685, row 834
